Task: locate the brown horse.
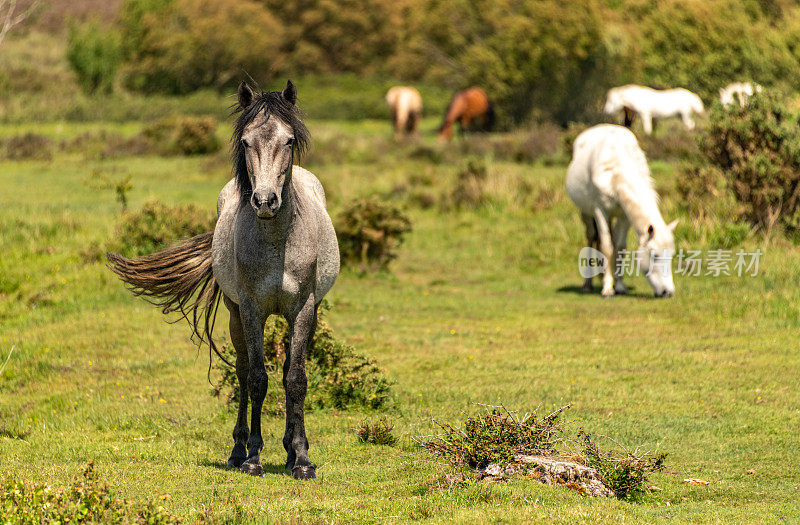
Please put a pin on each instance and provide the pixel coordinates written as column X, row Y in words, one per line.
column 468, row 107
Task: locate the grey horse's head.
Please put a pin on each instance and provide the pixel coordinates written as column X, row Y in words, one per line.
column 268, row 134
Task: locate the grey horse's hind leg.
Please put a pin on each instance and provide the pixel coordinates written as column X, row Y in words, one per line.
column 240, row 431
column 253, row 320
column 294, row 380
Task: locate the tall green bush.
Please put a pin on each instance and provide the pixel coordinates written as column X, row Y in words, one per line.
column 754, row 154
column 191, row 44
column 535, row 58
column 703, row 45
column 95, row 54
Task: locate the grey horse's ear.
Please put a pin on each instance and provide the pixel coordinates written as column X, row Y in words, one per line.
column 290, row 92
column 245, row 95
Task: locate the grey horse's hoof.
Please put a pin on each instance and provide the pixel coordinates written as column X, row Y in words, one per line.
column 235, row 462
column 304, row 473
column 253, row 467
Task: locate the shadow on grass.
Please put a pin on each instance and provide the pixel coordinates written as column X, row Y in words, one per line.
column 578, row 290
column 269, row 468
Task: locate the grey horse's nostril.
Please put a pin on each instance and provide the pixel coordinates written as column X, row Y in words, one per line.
column 272, row 200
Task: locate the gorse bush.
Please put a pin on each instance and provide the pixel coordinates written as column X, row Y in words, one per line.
column 156, row 225
column 754, row 154
column 495, row 437
column 499, row 435
column 87, row 500
column 376, row 431
column 370, row 232
column 625, row 473
column 94, row 54
column 338, row 376
column 184, row 135
column 469, row 190
column 29, row 146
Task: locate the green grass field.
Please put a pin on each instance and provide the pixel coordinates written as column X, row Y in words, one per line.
column 481, row 306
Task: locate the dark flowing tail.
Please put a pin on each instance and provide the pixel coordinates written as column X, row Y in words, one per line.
column 178, row 279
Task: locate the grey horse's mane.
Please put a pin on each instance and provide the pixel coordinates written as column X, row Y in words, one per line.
column 271, row 103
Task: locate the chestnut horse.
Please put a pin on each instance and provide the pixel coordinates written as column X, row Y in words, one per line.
column 468, row 107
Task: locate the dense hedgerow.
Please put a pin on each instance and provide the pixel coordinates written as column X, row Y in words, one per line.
column 537, row 59
column 338, row 376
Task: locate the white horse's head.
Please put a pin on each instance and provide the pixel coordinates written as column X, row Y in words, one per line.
column 613, row 102
column 656, row 249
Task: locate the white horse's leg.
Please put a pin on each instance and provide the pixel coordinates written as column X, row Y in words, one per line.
column 591, row 242
column 620, row 237
column 647, row 122
column 687, row 120
column 607, row 249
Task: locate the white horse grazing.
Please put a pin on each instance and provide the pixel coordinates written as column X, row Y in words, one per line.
column 651, row 103
column 741, row 90
column 609, row 181
column 406, row 104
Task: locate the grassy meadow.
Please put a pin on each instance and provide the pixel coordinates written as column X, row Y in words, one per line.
column 482, row 305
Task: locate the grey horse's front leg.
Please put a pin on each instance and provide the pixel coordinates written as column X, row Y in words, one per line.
column 240, row 431
column 302, row 330
column 253, row 319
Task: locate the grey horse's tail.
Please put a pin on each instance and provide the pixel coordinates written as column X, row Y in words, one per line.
column 178, row 279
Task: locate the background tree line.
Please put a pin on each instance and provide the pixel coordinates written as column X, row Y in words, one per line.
column 538, row 59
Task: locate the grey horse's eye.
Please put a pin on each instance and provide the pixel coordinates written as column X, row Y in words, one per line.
column 290, row 142
column 245, row 143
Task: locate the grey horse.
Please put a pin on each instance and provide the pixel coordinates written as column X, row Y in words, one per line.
column 273, row 251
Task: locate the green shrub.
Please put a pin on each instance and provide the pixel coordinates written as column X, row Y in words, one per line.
column 625, row 473
column 94, row 55
column 87, row 500
column 370, row 232
column 156, row 225
column 338, row 376
column 469, row 190
column 376, row 431
column 29, row 146
column 184, row 135
column 754, row 154
column 495, row 437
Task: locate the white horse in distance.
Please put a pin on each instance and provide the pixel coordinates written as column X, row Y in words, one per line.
column 651, row 103
column 609, row 181
column 406, row 104
column 740, row 90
